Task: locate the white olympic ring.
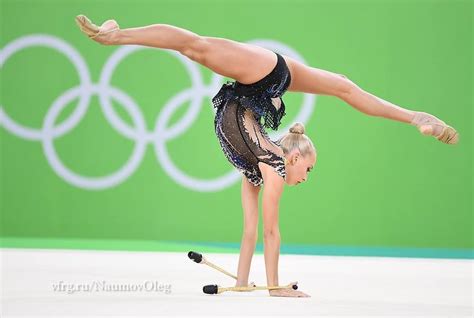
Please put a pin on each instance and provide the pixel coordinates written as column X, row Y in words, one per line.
column 139, row 133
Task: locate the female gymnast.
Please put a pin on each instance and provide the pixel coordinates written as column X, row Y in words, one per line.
column 250, row 103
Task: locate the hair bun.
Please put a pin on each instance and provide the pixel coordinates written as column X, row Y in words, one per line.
column 297, row 128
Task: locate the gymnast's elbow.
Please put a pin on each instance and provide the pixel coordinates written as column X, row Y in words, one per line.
column 271, row 234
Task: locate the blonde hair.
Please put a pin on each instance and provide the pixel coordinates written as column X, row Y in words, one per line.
column 295, row 138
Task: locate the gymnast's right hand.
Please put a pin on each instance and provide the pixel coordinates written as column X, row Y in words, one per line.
column 287, row 292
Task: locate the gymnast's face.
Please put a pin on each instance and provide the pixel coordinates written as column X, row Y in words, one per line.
column 298, row 167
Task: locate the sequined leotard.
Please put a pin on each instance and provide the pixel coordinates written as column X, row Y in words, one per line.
column 238, row 122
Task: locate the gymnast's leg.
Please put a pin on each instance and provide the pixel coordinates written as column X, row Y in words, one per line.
column 317, row 81
column 243, row 62
column 248, row 63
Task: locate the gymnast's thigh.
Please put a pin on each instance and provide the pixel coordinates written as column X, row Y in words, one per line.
column 307, row 79
column 244, row 62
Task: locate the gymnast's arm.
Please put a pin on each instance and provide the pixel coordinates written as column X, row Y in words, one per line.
column 272, row 191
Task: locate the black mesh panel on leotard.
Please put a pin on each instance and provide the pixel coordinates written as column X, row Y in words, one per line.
column 239, row 127
column 245, row 143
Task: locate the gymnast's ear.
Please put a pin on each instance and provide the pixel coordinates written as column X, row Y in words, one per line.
column 294, row 156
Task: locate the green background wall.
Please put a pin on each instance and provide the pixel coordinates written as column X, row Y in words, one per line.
column 379, row 185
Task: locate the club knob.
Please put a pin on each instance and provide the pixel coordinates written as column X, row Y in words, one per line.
column 210, row 289
column 195, row 256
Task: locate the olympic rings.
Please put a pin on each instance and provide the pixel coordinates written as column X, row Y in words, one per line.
column 138, row 132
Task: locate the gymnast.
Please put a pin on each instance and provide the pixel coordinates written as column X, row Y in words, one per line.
column 253, row 102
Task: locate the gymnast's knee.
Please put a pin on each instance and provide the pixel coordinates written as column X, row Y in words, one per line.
column 347, row 88
column 196, row 49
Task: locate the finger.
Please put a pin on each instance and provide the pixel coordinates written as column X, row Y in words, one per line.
column 284, row 292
